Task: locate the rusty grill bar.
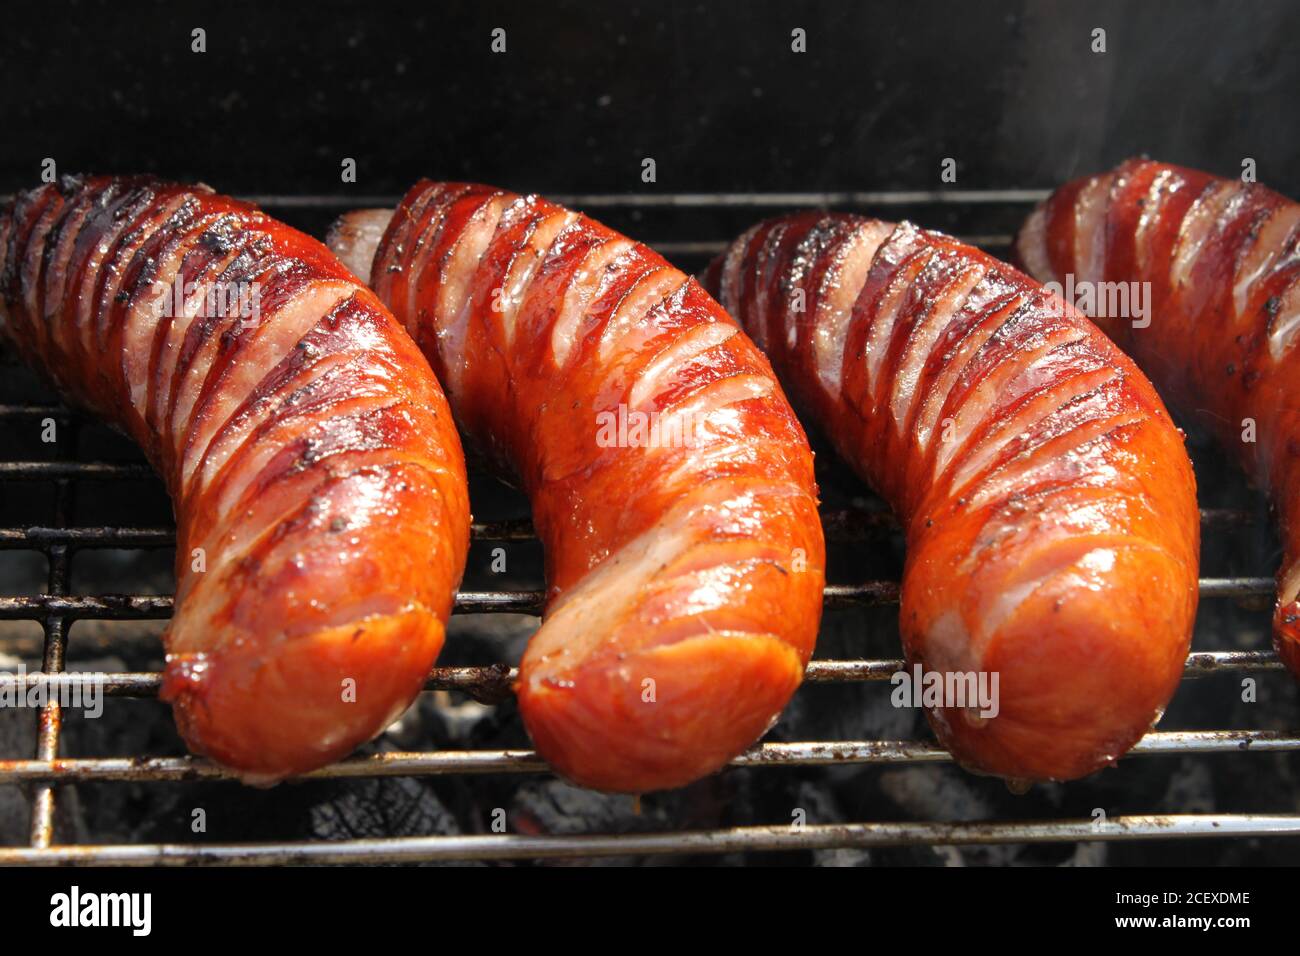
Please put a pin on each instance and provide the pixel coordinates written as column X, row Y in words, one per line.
column 56, row 609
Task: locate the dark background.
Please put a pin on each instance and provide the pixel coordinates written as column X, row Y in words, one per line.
column 712, row 91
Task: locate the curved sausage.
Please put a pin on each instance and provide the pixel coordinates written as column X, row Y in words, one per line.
column 317, row 479
column 1048, row 503
column 671, row 484
column 1218, row 262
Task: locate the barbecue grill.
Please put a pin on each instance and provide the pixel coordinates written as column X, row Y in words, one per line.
column 687, row 229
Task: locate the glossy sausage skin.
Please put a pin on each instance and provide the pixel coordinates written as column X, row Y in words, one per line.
column 684, row 574
column 307, row 447
column 1222, row 259
column 1048, row 503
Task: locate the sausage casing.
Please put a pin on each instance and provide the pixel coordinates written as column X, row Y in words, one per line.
column 671, row 484
column 1215, row 264
column 316, row 475
column 1048, row 503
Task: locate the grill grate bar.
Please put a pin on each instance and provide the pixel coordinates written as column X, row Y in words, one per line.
column 57, row 609
column 493, row 683
column 140, row 607
column 735, row 840
column 847, row 524
column 50, row 722
column 36, row 410
column 103, row 537
column 914, row 197
column 714, row 247
column 55, row 470
column 445, row 762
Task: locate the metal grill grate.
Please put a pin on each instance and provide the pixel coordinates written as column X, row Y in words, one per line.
column 977, row 217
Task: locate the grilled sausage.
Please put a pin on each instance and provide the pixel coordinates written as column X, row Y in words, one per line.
column 1048, row 503
column 1217, row 263
column 671, row 484
column 316, row 475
